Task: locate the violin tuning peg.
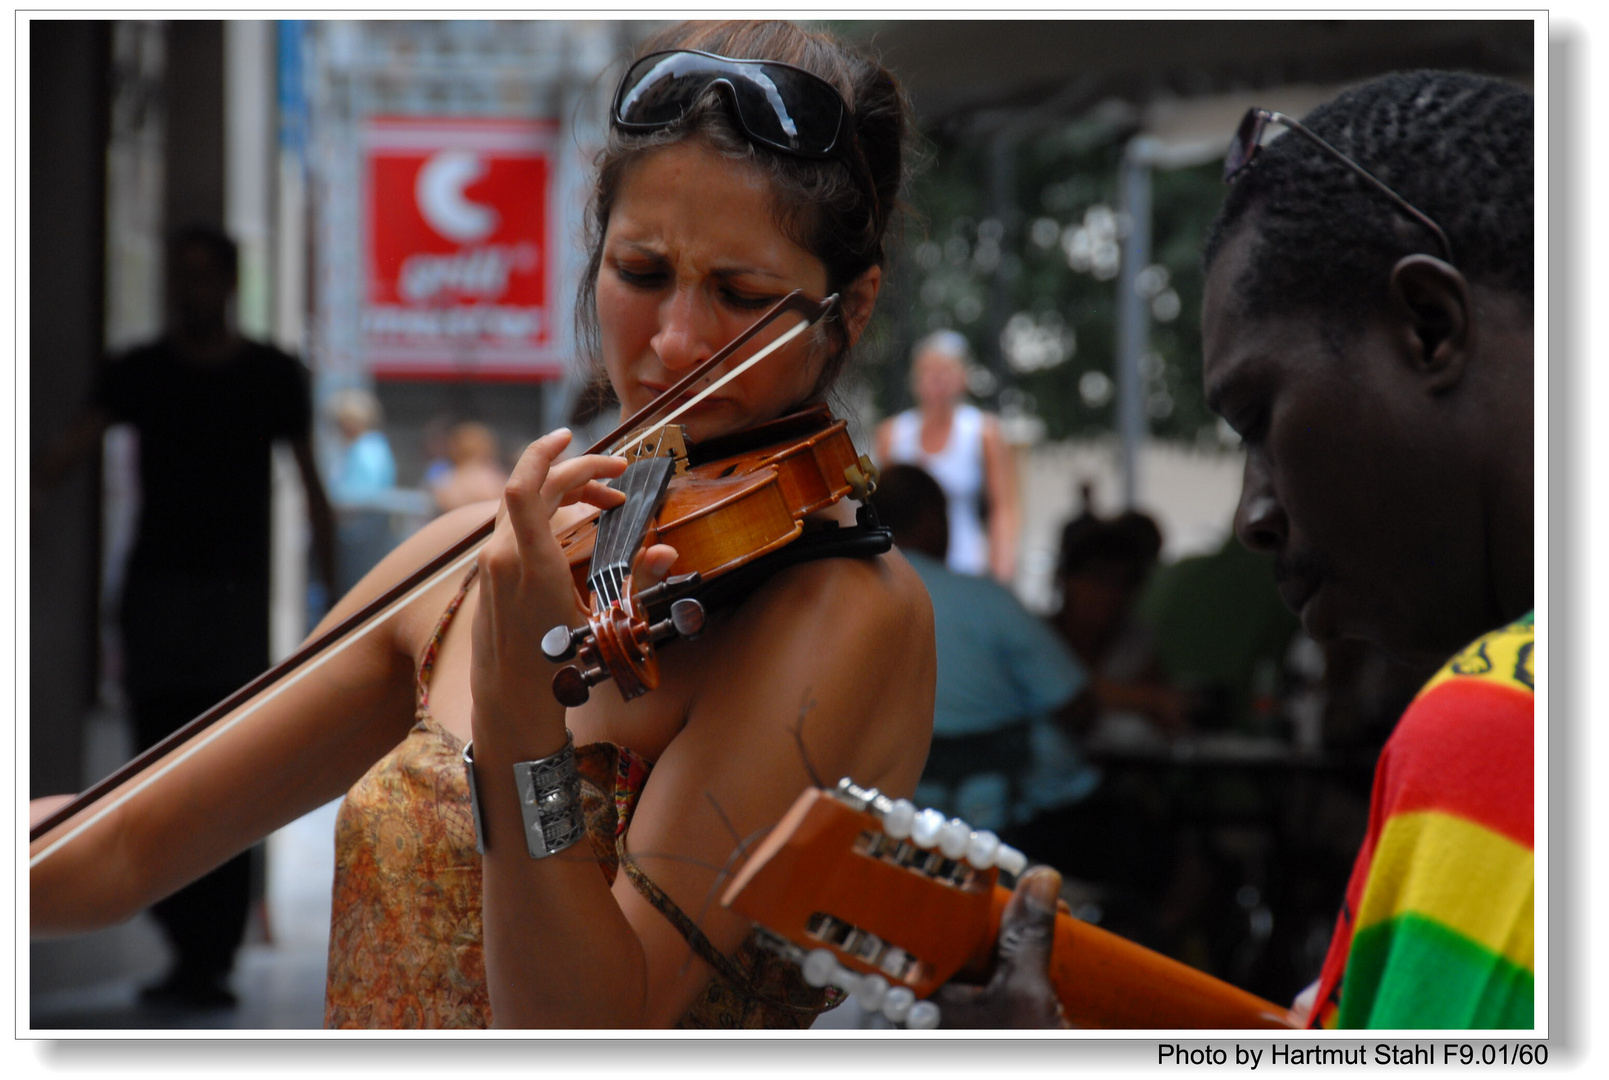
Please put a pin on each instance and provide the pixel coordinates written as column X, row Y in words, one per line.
column 570, row 686
column 687, row 616
column 559, row 644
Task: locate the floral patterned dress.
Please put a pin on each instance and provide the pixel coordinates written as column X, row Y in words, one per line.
column 405, row 933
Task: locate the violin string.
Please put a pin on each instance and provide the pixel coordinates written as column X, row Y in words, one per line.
column 786, row 337
column 206, row 737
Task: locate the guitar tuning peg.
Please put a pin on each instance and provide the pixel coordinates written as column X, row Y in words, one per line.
column 897, row 1003
column 953, row 838
column 821, row 968
column 1011, row 860
column 869, row 994
column 982, row 848
column 925, row 829
column 899, row 819
column 923, row 1014
column 818, row 967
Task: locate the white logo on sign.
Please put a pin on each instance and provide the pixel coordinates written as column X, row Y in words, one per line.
column 440, row 194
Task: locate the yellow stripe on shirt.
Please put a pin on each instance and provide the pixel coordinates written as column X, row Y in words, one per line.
column 1506, row 657
column 1468, row 878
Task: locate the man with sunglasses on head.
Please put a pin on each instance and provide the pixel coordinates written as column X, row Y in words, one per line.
column 1367, row 330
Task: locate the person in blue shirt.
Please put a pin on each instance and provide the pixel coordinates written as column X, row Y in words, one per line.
column 1006, row 682
column 366, row 467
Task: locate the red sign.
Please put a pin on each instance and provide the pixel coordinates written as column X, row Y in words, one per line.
column 460, row 272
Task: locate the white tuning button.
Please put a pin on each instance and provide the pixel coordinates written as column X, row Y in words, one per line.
column 869, row 995
column 924, row 1014
column 953, row 838
column 981, row 849
column 847, row 980
column 819, row 967
column 899, row 819
column 897, row 1003
column 1010, row 860
column 925, row 830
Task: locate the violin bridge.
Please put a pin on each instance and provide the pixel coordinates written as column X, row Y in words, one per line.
column 668, row 441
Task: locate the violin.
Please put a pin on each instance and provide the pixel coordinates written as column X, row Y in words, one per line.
column 723, row 505
column 733, row 507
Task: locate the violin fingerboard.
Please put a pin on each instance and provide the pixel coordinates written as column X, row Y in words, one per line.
column 621, row 529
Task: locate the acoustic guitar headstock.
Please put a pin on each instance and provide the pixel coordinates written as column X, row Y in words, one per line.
column 872, row 895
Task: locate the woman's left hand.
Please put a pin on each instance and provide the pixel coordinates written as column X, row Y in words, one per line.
column 525, row 586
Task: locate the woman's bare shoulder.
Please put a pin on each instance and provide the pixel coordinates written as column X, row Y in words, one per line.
column 871, row 594
column 869, row 614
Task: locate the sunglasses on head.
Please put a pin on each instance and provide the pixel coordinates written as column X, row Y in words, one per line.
column 1248, row 140
column 777, row 105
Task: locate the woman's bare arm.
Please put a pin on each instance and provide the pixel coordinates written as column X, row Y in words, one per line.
column 291, row 755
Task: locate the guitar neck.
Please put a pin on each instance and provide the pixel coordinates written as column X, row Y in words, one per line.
column 1105, row 981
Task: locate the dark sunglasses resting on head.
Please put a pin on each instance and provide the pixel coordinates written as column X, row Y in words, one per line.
column 1248, row 140
column 777, row 105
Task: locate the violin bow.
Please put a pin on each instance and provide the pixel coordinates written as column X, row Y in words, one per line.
column 811, row 312
column 201, row 731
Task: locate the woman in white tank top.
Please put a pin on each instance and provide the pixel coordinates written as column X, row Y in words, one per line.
column 961, row 446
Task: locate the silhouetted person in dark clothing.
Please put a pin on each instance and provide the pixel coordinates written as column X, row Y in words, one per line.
column 207, row 405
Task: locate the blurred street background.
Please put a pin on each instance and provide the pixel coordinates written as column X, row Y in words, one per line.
column 407, row 198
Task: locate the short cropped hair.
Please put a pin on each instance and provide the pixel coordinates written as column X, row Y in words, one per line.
column 1457, row 147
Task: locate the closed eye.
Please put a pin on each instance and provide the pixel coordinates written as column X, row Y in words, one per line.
column 745, row 301
column 641, row 279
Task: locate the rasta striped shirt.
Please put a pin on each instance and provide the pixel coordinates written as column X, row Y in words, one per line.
column 1437, row 929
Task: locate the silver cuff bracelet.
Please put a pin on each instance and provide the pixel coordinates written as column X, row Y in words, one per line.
column 550, row 800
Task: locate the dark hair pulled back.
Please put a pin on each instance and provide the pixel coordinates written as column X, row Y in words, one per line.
column 822, row 205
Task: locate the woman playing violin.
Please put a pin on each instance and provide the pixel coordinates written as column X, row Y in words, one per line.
column 723, row 187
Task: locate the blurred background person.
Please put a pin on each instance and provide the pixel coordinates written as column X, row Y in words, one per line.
column 475, row 473
column 364, row 473
column 207, row 406
column 1221, row 632
column 365, row 466
column 961, row 447
column 1102, row 568
column 438, row 462
column 1002, row 672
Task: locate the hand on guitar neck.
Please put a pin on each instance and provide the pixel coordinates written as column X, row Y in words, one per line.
column 890, row 904
column 1019, row 993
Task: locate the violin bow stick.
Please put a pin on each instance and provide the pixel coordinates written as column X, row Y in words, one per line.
column 211, row 724
column 813, row 311
column 307, row 659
